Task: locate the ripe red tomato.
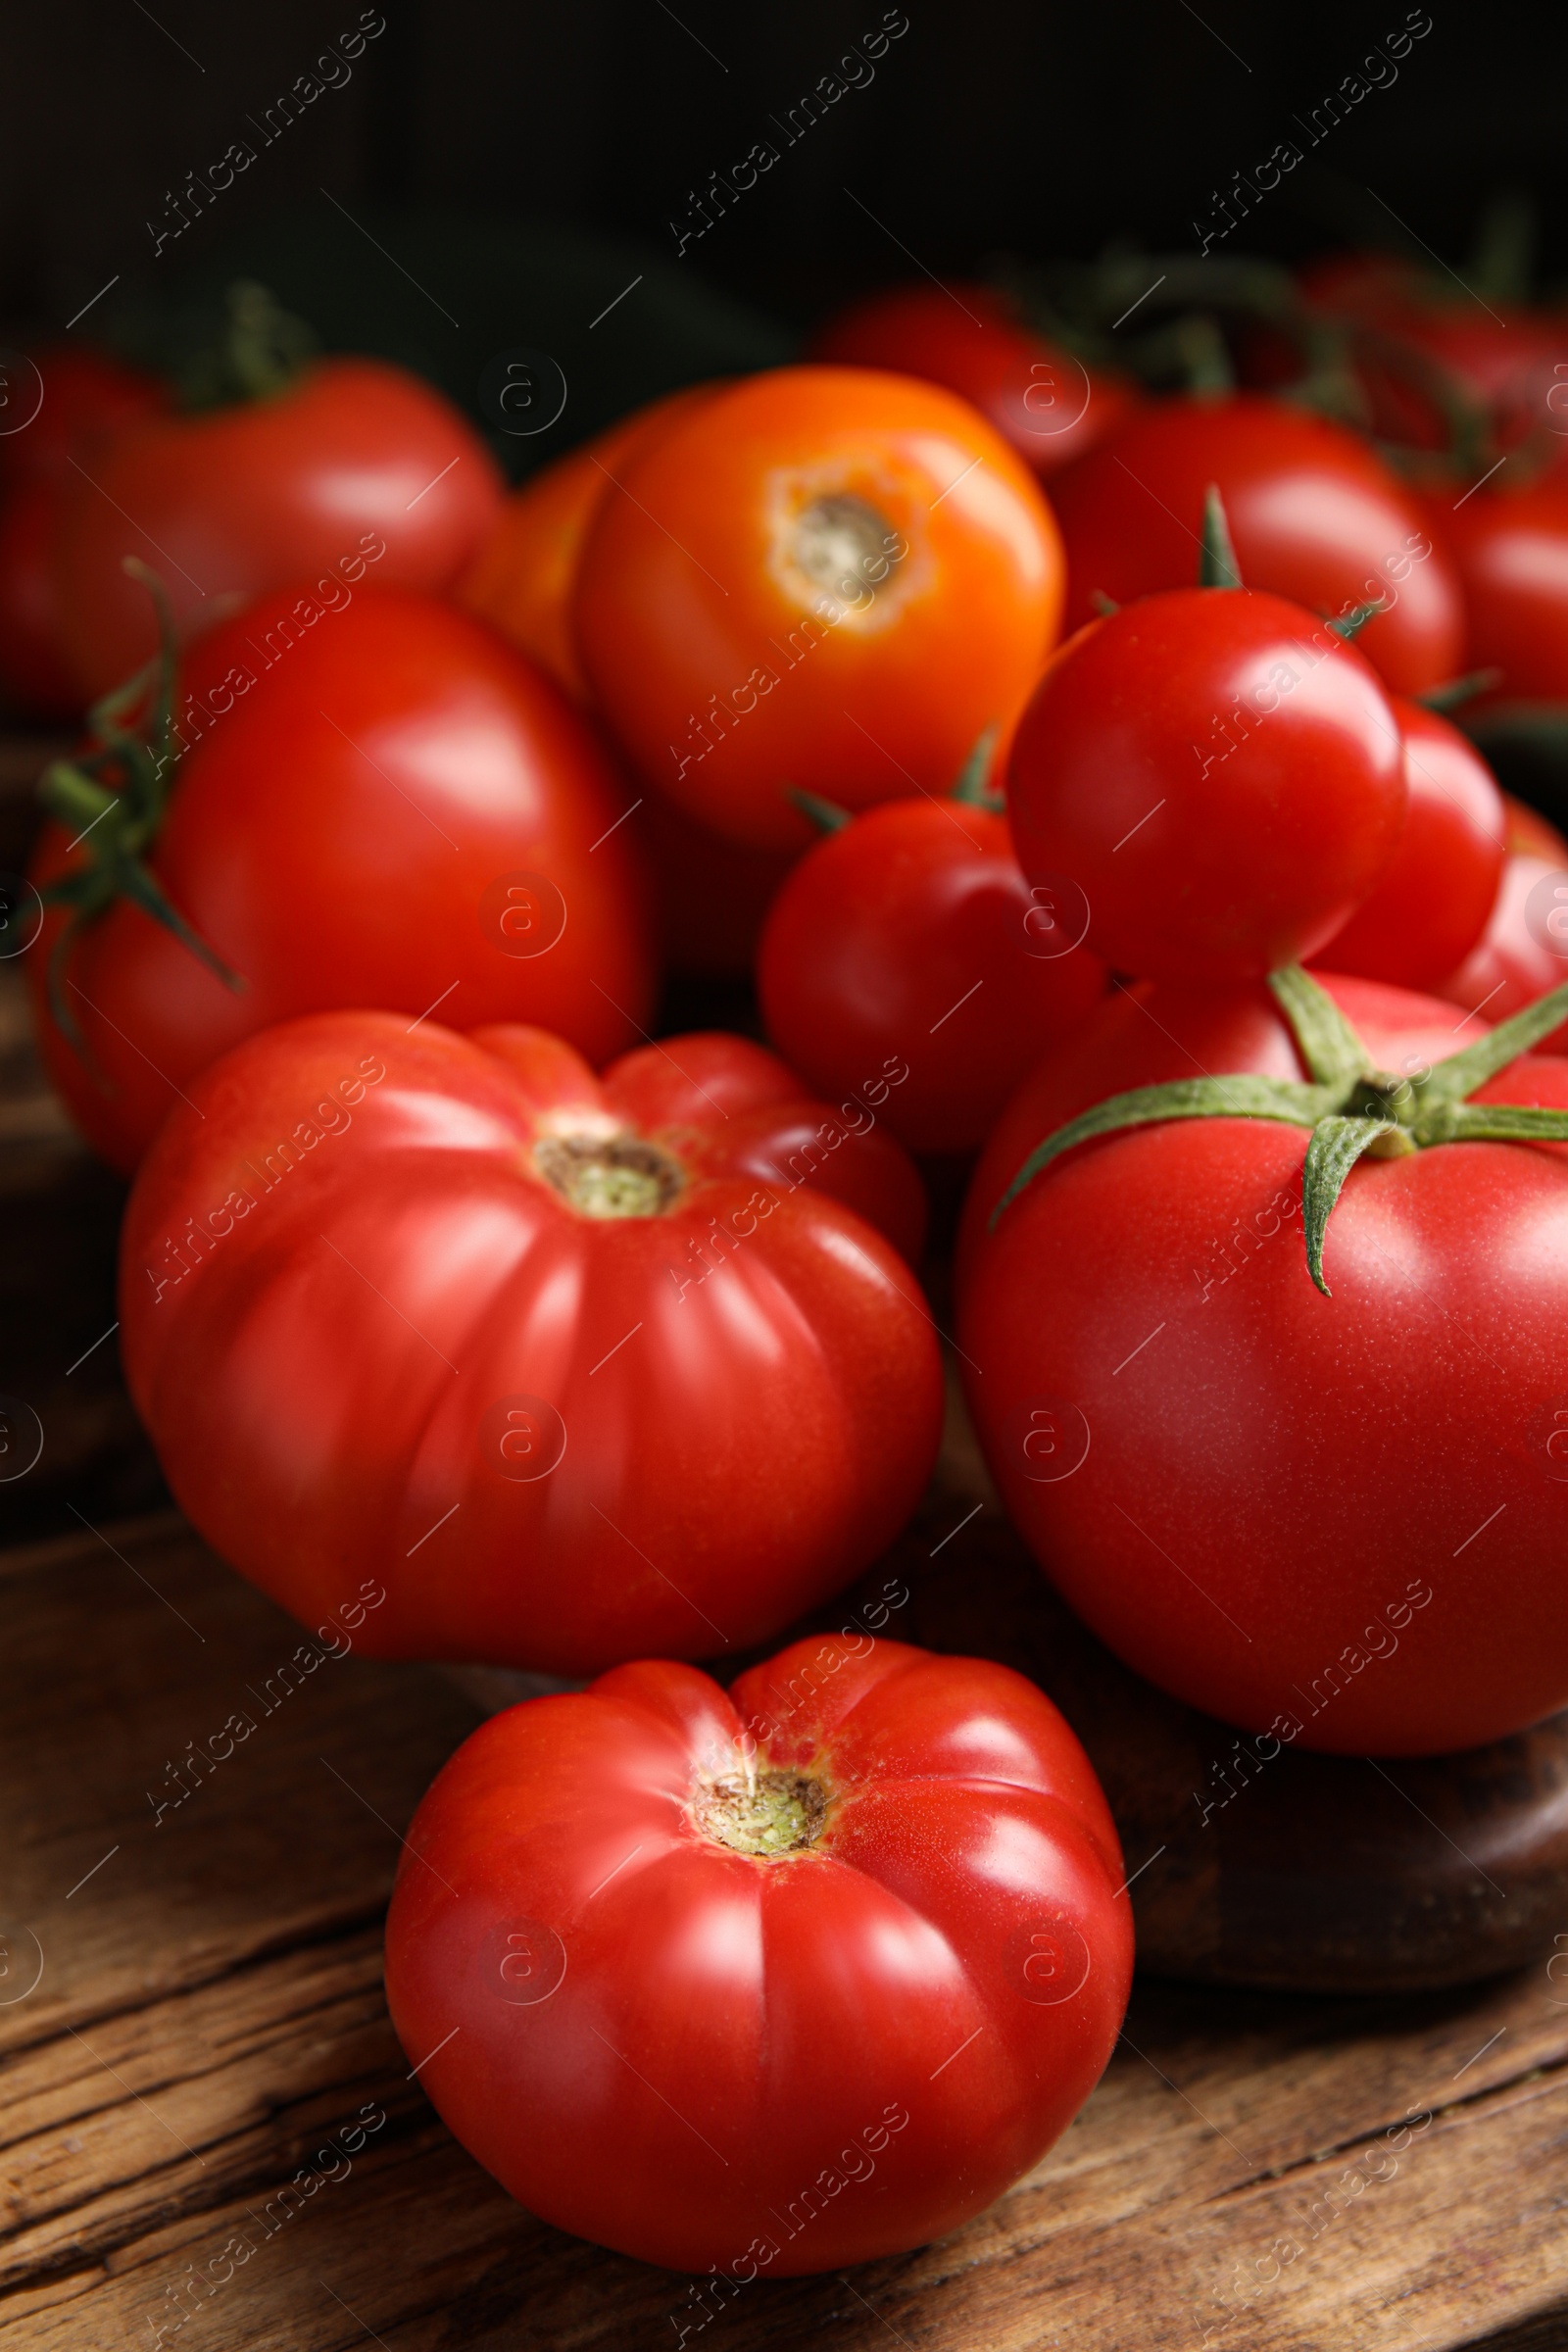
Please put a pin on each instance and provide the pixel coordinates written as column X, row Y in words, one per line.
column 1201, row 1450
column 87, row 396
column 1436, row 895
column 246, row 498
column 909, row 938
column 578, row 1371
column 382, row 804
column 1529, row 832
column 1511, row 549
column 1314, row 515
column 771, row 1981
column 1040, row 399
column 1208, row 782
column 821, row 576
column 1523, row 950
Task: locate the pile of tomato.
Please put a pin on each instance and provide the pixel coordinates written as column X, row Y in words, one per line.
column 1077, row 773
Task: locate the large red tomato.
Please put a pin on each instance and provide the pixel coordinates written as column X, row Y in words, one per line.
column 1205, row 784
column 1332, row 1520
column 771, row 1981
column 820, row 576
column 1523, row 950
column 579, row 1372
column 239, row 501
column 1314, row 515
column 1040, row 398
column 380, row 803
column 1433, row 901
column 909, row 938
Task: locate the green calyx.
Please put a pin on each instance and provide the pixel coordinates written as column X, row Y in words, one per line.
column 1352, row 1108
column 973, row 789
column 114, row 800
column 261, row 352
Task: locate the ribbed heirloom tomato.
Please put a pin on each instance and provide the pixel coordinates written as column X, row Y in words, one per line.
column 366, row 798
column 1336, row 1520
column 767, row 1981
column 580, row 1371
column 820, row 576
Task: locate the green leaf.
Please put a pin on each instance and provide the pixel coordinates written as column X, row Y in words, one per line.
column 1243, row 1097
column 1217, row 562
column 148, row 894
column 1455, row 692
column 1349, row 626
column 1506, row 1123
column 1452, row 1080
column 1328, row 1045
column 827, row 815
column 1336, row 1147
column 971, row 786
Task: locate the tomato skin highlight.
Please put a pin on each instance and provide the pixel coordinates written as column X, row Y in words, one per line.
column 1315, row 515
column 747, row 2062
column 822, row 576
column 910, row 937
column 1268, row 1473
column 1436, row 895
column 241, row 500
column 1217, row 777
column 353, row 788
column 338, row 1289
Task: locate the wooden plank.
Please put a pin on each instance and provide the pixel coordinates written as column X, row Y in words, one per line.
column 209, row 2025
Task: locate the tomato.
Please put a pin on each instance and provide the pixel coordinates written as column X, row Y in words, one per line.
column 85, row 397
column 245, row 499
column 1433, row 901
column 1334, row 1521
column 910, row 937
column 1040, row 399
column 710, row 896
column 819, row 576
column 1314, row 515
column 525, row 575
column 379, row 803
column 772, row 1980
column 1524, row 950
column 576, row 1371
column 1529, row 832
column 1206, row 783
column 1511, row 547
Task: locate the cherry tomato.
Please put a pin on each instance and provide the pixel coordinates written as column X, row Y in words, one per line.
column 820, row 576
column 769, row 1981
column 908, row 939
column 1511, row 549
column 525, row 575
column 1045, row 402
column 1314, row 515
column 577, row 1371
column 380, row 803
column 1524, row 950
column 1434, row 900
column 1335, row 1521
column 1529, row 832
column 246, row 498
column 1207, row 784
column 86, row 397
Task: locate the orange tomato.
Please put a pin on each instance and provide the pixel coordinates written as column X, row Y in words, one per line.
column 523, row 579
column 830, row 577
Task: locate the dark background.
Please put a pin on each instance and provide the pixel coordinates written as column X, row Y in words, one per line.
column 988, row 131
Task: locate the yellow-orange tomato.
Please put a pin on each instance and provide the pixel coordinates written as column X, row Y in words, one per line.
column 523, row 579
column 829, row 578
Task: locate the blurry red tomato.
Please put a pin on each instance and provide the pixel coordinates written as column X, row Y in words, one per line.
column 1523, row 952
column 1511, row 549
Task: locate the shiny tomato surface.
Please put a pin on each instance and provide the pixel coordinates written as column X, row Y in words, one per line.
column 820, row 576
column 381, row 802
column 238, row 500
column 771, row 1981
column 1336, row 1521
column 1511, row 549
column 1206, row 785
column 1314, row 515
column 580, row 1371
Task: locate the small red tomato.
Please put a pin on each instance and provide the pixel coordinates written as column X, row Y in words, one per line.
column 907, row 960
column 1511, row 549
column 770, row 1982
column 1314, row 515
column 377, row 802
column 1437, row 893
column 356, row 456
column 1208, row 782
column 1524, row 950
column 1039, row 397
column 820, row 576
column 577, row 1371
